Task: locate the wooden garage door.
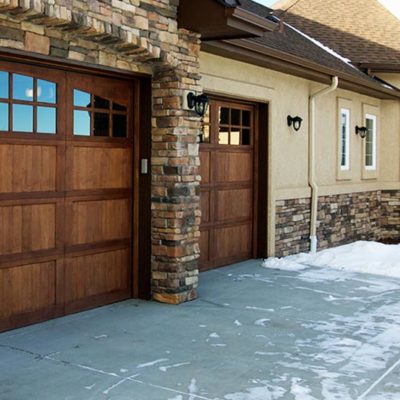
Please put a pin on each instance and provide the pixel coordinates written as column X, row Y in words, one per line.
column 65, row 192
column 227, row 189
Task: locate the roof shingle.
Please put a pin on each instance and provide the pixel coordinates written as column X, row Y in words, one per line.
column 362, row 30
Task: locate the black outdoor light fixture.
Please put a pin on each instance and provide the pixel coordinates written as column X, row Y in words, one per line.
column 199, row 103
column 362, row 131
column 295, row 121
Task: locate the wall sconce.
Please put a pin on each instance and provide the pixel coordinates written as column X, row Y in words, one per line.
column 295, row 121
column 362, row 131
column 199, row 103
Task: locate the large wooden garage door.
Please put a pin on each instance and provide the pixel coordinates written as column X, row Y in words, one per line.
column 65, row 192
column 227, row 189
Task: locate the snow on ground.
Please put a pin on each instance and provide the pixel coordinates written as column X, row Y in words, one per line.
column 366, row 257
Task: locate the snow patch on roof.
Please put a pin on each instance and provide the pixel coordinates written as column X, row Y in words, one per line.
column 393, row 6
column 322, row 46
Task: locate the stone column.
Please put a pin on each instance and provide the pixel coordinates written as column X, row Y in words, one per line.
column 175, row 182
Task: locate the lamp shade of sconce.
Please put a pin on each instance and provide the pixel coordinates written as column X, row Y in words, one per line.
column 362, row 131
column 295, row 122
column 198, row 103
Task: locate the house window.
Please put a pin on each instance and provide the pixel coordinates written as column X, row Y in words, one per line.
column 370, row 142
column 344, row 139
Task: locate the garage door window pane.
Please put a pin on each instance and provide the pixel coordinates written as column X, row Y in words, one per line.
column 81, row 123
column 223, row 136
column 3, row 117
column 99, row 102
column 4, row 90
column 118, row 107
column 119, row 126
column 22, row 87
column 206, row 134
column 46, row 120
column 224, row 116
column 235, row 117
column 101, row 124
column 46, row 91
column 22, row 118
column 246, row 137
column 81, row 99
column 235, row 137
column 246, row 118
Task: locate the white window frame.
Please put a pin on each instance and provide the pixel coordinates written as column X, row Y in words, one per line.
column 372, row 167
column 346, row 112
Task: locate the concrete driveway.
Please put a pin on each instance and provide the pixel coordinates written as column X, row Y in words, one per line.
column 254, row 334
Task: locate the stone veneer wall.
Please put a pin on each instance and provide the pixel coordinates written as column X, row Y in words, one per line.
column 390, row 215
column 342, row 219
column 292, row 226
column 140, row 36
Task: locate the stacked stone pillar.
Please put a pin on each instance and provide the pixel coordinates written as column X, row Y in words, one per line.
column 175, row 181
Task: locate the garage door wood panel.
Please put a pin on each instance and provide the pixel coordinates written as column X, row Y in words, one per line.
column 65, row 193
column 99, row 221
column 234, row 204
column 27, row 288
column 27, row 228
column 27, row 168
column 89, row 278
column 100, row 168
column 240, row 236
column 233, row 166
column 227, row 189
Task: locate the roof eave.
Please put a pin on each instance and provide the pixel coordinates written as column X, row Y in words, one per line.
column 251, row 21
column 253, row 53
column 380, row 67
column 216, row 20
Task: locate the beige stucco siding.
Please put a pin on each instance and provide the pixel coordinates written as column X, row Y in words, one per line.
column 288, row 150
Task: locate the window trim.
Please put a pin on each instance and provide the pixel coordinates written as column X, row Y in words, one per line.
column 344, row 111
column 373, row 167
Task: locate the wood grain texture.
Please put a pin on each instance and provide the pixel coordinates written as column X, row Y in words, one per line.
column 27, row 288
column 27, row 168
column 27, row 228
column 96, row 274
column 100, row 220
column 99, row 168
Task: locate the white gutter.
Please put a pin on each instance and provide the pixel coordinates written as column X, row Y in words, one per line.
column 311, row 162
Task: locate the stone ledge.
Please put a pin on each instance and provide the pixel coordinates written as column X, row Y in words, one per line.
column 122, row 39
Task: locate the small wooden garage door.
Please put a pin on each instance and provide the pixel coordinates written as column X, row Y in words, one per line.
column 227, row 188
column 65, row 192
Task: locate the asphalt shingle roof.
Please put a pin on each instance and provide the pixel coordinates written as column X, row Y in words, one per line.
column 362, row 30
column 294, row 43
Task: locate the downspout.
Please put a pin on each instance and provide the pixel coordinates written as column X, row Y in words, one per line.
column 311, row 162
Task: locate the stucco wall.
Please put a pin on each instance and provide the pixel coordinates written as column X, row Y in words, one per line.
column 288, row 151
